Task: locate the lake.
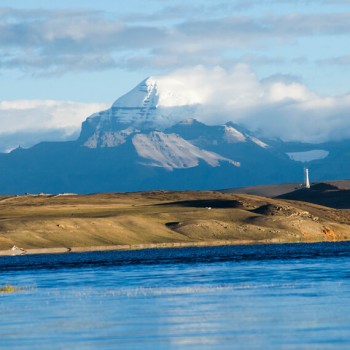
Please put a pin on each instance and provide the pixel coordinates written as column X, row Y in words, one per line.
column 288, row 296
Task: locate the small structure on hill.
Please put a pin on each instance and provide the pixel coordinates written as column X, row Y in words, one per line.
column 306, row 177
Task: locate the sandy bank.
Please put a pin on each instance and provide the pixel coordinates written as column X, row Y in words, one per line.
column 63, row 250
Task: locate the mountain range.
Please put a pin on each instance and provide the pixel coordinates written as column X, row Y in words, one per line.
column 150, row 139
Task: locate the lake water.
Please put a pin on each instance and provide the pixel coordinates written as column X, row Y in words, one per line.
column 245, row 297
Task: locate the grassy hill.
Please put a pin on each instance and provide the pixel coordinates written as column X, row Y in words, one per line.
column 162, row 218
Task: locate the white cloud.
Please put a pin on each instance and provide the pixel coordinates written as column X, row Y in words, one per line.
column 278, row 106
column 27, row 122
column 200, row 85
column 275, row 107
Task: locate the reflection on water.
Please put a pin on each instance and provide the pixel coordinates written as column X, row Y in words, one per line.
column 249, row 297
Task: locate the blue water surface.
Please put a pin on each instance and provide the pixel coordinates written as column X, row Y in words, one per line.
column 290, row 296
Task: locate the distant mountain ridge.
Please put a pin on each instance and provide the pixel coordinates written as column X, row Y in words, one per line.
column 150, row 139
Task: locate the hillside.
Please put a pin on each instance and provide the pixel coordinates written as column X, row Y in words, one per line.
column 161, row 218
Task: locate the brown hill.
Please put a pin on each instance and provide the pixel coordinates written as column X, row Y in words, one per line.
column 161, row 218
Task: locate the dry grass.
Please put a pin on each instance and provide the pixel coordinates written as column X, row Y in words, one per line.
column 162, row 217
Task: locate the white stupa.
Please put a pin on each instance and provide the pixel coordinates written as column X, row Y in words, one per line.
column 306, row 175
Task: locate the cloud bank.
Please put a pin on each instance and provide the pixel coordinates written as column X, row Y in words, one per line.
column 278, row 107
column 26, row 122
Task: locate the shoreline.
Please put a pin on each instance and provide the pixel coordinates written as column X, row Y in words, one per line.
column 126, row 247
column 120, row 247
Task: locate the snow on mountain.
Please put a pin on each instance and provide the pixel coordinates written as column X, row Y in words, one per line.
column 163, row 131
column 171, row 151
column 139, row 108
column 213, row 135
column 258, row 142
column 144, row 95
column 147, row 107
column 232, row 135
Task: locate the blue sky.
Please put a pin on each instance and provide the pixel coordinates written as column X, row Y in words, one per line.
column 91, row 52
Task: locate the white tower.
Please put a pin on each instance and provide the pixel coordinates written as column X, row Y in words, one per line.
column 306, row 175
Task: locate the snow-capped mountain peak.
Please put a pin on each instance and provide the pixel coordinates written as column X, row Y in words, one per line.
column 139, row 108
column 154, row 125
column 144, row 95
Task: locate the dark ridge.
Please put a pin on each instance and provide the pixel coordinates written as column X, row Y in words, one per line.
column 323, row 194
column 276, row 190
column 323, row 187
